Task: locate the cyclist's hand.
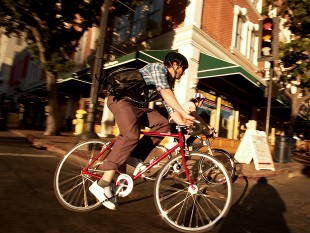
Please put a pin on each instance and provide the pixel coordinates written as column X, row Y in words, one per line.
column 189, row 120
column 209, row 131
column 189, row 131
column 211, row 128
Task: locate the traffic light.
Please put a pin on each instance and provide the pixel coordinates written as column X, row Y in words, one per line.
column 268, row 39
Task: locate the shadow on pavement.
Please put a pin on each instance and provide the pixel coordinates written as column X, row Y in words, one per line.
column 261, row 210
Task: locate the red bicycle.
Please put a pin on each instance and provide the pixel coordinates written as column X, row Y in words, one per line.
column 192, row 190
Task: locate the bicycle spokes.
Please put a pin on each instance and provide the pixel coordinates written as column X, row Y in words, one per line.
column 194, row 207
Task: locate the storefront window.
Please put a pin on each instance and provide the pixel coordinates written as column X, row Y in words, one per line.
column 208, row 111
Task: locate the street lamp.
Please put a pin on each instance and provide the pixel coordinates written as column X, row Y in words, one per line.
column 88, row 131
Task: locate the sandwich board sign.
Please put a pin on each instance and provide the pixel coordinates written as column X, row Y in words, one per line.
column 254, row 146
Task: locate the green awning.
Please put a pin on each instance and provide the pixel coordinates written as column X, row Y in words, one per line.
column 140, row 57
column 210, row 67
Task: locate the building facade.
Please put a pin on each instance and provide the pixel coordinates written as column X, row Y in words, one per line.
column 220, row 41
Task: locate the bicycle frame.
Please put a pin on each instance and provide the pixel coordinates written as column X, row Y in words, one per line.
column 205, row 142
column 180, row 145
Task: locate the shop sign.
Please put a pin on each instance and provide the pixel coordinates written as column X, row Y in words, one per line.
column 254, row 146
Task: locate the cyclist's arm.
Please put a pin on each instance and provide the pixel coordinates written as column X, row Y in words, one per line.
column 171, row 101
column 177, row 118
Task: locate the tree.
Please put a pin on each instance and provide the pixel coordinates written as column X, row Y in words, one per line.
column 53, row 30
column 293, row 67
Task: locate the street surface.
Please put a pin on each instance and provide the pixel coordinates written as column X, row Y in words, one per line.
column 277, row 204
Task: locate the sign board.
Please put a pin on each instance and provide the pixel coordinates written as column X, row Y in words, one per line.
column 254, row 146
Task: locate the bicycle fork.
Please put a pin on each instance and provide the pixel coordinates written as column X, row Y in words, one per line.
column 192, row 188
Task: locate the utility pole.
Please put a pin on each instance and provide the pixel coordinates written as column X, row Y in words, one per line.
column 89, row 131
column 268, row 76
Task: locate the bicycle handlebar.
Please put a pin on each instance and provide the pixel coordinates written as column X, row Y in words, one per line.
column 197, row 128
column 202, row 129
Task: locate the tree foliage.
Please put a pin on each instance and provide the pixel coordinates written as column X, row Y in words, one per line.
column 55, row 26
column 293, row 67
column 295, row 55
column 53, row 29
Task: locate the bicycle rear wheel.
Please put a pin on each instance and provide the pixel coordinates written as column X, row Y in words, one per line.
column 70, row 185
column 192, row 210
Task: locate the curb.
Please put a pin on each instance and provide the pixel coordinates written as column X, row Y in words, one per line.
column 292, row 168
column 39, row 144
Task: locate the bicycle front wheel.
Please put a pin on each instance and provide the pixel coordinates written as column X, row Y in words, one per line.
column 70, row 185
column 194, row 208
column 227, row 160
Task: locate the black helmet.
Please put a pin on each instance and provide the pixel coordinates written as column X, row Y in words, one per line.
column 177, row 57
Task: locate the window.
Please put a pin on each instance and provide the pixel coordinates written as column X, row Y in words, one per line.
column 139, row 23
column 121, row 29
column 251, row 49
column 145, row 18
column 244, row 35
column 155, row 14
column 239, row 33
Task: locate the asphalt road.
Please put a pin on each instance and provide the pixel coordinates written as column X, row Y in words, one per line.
column 270, row 205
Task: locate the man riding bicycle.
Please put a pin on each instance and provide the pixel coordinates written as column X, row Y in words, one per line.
column 130, row 113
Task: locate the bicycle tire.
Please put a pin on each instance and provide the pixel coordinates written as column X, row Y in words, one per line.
column 223, row 156
column 227, row 160
column 70, row 185
column 188, row 211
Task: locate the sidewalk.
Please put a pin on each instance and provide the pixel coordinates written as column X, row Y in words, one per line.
column 61, row 144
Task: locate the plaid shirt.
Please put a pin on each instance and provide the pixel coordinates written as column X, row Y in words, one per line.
column 156, row 75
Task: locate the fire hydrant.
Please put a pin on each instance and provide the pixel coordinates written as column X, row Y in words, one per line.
column 79, row 121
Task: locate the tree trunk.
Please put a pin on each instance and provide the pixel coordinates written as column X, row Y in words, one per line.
column 294, row 114
column 296, row 103
column 52, row 120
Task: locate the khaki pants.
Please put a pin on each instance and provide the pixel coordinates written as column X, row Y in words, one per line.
column 129, row 119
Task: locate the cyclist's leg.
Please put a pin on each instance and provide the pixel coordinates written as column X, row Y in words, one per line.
column 127, row 118
column 157, row 123
column 190, row 140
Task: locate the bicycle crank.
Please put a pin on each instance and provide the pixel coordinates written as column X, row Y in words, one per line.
column 124, row 185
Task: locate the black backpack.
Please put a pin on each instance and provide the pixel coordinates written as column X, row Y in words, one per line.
column 126, row 82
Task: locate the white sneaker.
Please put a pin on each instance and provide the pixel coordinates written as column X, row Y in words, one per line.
column 139, row 167
column 103, row 195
